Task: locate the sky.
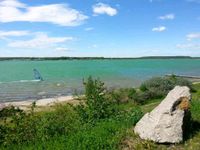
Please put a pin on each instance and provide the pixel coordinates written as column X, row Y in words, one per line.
column 99, row 28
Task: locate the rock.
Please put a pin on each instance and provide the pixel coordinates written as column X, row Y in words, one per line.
column 165, row 124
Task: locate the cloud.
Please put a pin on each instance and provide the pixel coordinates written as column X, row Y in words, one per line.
column 155, row 1
column 190, row 46
column 5, row 34
column 40, row 41
column 89, row 29
column 12, row 3
column 159, row 29
column 60, row 14
column 101, row 8
column 167, row 17
column 192, row 36
column 62, row 49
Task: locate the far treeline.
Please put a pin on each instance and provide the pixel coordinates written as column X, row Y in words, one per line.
column 94, row 58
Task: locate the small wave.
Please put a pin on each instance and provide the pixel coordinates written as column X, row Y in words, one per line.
column 21, row 81
column 28, row 81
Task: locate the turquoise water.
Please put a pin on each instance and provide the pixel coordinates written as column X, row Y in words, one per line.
column 63, row 77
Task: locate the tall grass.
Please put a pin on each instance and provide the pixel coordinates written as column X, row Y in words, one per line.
column 94, row 124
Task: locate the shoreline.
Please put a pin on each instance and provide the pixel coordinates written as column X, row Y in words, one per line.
column 44, row 102
column 97, row 58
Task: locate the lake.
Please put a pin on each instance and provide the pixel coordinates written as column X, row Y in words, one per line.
column 64, row 77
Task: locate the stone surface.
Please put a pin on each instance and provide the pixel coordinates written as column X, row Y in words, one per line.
column 165, row 123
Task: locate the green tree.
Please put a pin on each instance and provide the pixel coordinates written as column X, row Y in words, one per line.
column 96, row 105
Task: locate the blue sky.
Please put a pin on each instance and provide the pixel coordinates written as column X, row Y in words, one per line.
column 108, row 28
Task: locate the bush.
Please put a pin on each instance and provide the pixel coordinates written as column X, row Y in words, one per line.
column 63, row 121
column 158, row 87
column 96, row 105
column 122, row 95
column 28, row 128
column 9, row 112
column 142, row 97
column 105, row 134
column 157, row 83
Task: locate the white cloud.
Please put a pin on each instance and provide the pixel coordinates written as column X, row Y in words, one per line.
column 12, row 3
column 40, row 41
column 62, row 49
column 159, row 29
column 192, row 36
column 190, row 46
column 4, row 34
column 89, row 29
column 102, row 8
column 167, row 17
column 60, row 14
column 155, row 1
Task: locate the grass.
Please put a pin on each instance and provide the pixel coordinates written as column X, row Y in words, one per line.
column 63, row 127
column 104, row 134
column 192, row 142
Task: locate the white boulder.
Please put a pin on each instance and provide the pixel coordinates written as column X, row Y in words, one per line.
column 165, row 124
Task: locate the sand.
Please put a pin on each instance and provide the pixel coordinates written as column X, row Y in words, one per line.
column 39, row 103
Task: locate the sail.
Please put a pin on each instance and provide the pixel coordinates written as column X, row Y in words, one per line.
column 37, row 75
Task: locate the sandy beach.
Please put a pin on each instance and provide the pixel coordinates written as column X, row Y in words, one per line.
column 24, row 105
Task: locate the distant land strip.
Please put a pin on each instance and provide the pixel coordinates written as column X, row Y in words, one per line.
column 94, row 58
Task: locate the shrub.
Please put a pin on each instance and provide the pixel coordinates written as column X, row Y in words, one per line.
column 3, row 133
column 160, row 86
column 9, row 112
column 157, row 83
column 28, row 128
column 183, row 82
column 142, row 97
column 63, row 121
column 122, row 95
column 96, row 105
column 105, row 134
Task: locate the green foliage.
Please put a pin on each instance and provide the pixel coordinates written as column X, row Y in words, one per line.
column 63, row 121
column 122, row 95
column 161, row 84
column 26, row 128
column 130, row 116
column 164, row 84
column 33, row 106
column 195, row 109
column 142, row 97
column 96, row 105
column 100, row 122
column 105, row 134
column 9, row 112
column 158, row 87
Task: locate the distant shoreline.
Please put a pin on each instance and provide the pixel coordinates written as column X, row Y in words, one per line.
column 95, row 58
